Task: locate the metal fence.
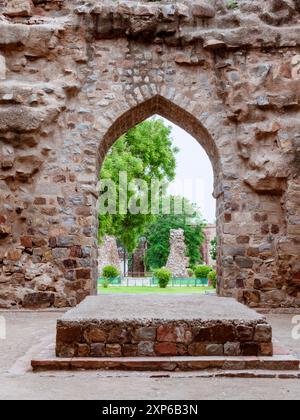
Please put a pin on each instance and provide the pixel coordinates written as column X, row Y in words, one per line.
column 153, row 282
column 183, row 282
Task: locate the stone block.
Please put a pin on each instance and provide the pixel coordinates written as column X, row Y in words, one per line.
column 174, row 333
column 68, row 334
column 203, row 9
column 214, row 350
column 130, row 350
column 95, row 335
column 113, row 350
column 197, row 349
column 250, row 349
column 245, row 333
column 232, row 349
column 266, row 349
column 222, row 333
column 83, row 350
column 263, row 333
column 202, row 334
column 118, row 335
column 145, row 334
column 146, row 348
column 98, row 350
column 16, row 8
column 38, row 300
column 165, row 349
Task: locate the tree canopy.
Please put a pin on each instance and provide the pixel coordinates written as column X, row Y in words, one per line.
column 144, row 152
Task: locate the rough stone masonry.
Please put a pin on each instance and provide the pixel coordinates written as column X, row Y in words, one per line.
column 75, row 75
column 178, row 262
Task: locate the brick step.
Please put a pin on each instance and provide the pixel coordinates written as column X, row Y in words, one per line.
column 170, row 364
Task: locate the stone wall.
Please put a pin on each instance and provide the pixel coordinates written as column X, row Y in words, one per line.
column 178, row 262
column 138, row 259
column 108, row 254
column 76, row 75
column 209, row 235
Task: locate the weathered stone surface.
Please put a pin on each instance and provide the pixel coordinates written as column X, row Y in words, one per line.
column 232, row 349
column 230, row 77
column 38, row 300
column 18, row 8
column 145, row 348
column 97, row 350
column 2, row 67
column 113, row 350
column 203, row 9
column 145, row 334
column 178, row 261
column 263, row 333
column 95, row 335
column 108, row 254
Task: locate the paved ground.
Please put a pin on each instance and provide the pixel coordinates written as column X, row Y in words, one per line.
column 162, row 307
column 29, row 332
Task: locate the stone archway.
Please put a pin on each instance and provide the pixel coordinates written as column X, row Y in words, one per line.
column 163, row 107
column 74, row 77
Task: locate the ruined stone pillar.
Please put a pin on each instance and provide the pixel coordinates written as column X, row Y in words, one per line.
column 178, row 262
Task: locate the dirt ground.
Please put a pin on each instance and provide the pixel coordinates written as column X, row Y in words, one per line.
column 28, row 332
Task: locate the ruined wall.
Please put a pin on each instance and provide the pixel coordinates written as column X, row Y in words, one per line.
column 108, row 254
column 76, row 75
column 209, row 235
column 178, row 262
column 138, row 259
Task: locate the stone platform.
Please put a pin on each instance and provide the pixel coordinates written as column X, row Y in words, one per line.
column 147, row 326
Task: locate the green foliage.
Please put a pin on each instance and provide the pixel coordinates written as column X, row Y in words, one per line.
column 232, row 4
column 144, row 152
column 110, row 272
column 212, row 276
column 202, row 271
column 191, row 272
column 213, row 251
column 163, row 276
column 158, row 235
column 105, row 283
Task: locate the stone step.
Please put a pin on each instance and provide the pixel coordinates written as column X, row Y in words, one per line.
column 228, row 365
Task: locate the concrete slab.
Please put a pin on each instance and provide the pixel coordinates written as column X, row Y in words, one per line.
column 185, row 307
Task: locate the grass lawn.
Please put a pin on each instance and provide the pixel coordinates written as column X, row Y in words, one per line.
column 145, row 289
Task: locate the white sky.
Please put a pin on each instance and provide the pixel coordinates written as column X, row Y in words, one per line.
column 194, row 173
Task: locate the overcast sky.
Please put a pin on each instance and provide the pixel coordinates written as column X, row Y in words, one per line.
column 194, row 173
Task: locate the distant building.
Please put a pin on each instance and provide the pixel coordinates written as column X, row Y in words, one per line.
column 210, row 232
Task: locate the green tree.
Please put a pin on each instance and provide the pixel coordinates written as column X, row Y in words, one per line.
column 158, row 235
column 144, row 152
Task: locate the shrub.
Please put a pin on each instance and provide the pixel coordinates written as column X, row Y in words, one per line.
column 212, row 277
column 163, row 276
column 105, row 283
column 110, row 272
column 190, row 272
column 201, row 271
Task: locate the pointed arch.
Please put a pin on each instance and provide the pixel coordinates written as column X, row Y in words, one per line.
column 169, row 110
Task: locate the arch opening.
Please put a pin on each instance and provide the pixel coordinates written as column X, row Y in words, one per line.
column 161, row 107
